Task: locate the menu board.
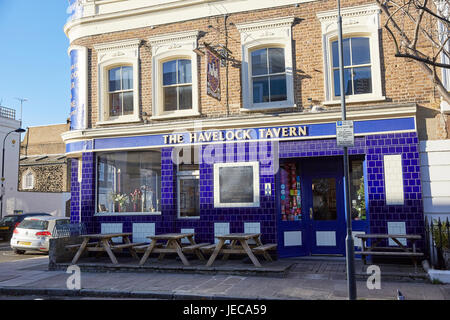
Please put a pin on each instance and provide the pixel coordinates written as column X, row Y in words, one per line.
column 236, row 184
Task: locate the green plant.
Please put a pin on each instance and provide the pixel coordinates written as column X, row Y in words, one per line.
column 440, row 234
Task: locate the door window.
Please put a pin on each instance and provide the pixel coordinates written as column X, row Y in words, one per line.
column 324, row 199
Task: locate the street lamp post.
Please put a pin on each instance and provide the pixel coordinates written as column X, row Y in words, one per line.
column 19, row 130
column 351, row 282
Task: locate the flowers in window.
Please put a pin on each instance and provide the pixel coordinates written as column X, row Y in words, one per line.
column 121, row 199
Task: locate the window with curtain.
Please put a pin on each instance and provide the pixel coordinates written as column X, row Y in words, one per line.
column 177, row 85
column 268, row 75
column 120, row 91
column 357, row 66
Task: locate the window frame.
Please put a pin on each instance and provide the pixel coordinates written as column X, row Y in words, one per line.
column 268, row 75
column 167, row 47
column 256, row 187
column 109, row 56
column 266, row 34
column 358, row 21
column 112, row 213
column 110, row 93
column 177, row 85
column 351, row 66
column 186, row 174
column 25, row 185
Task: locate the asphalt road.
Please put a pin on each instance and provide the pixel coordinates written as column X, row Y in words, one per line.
column 7, row 254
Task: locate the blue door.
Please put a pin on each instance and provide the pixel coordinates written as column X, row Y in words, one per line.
column 323, row 206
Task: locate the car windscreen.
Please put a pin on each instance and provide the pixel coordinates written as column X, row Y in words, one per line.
column 8, row 219
column 34, row 224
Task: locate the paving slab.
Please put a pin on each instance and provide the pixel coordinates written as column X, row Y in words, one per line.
column 306, row 279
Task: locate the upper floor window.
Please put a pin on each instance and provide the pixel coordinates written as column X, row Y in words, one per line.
column 175, row 69
column 357, row 66
column 177, row 85
column 361, row 54
column 118, row 81
column 267, row 64
column 120, row 91
column 268, row 75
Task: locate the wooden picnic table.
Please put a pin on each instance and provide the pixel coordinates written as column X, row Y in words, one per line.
column 239, row 244
column 173, row 245
column 104, row 243
column 401, row 250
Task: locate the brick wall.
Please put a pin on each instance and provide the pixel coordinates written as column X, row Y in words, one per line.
column 402, row 79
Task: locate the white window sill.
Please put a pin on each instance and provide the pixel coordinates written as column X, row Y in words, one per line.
column 119, row 121
column 179, row 114
column 268, row 106
column 108, row 214
column 355, row 99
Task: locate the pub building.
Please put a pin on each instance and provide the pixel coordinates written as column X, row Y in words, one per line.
column 173, row 133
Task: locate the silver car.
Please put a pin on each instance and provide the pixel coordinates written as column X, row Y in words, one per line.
column 33, row 233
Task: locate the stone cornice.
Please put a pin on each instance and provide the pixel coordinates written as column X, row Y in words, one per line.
column 117, row 45
column 364, row 10
column 284, row 22
column 174, row 37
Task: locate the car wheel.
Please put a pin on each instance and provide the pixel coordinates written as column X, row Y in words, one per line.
column 16, row 251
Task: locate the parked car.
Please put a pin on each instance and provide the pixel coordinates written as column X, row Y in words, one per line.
column 9, row 222
column 34, row 233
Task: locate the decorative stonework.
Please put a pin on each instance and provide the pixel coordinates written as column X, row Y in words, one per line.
column 111, row 50
column 273, row 28
column 186, row 40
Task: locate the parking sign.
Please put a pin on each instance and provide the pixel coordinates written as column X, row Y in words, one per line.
column 344, row 133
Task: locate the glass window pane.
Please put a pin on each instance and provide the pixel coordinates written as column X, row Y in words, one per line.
column 170, row 72
column 346, row 45
column 184, row 71
column 360, row 51
column 261, row 89
column 278, row 88
column 185, row 93
column 357, row 190
column 115, row 104
column 324, row 199
column 259, row 62
column 335, row 53
column 276, row 60
column 135, row 185
column 127, row 103
column 170, row 99
column 189, row 198
column 347, row 82
column 127, row 78
column 114, row 79
column 362, row 79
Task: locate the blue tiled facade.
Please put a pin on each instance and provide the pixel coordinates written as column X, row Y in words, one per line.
column 372, row 147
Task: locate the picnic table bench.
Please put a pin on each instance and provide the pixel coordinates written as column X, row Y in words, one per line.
column 173, row 245
column 401, row 250
column 239, row 244
column 104, row 243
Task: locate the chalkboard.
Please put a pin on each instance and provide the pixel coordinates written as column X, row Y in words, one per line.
column 236, row 184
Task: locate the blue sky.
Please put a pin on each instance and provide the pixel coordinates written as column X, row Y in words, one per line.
column 33, row 60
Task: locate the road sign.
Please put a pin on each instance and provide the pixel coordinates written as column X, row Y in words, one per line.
column 344, row 133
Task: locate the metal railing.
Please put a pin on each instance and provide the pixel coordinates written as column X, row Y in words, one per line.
column 437, row 238
column 69, row 230
column 7, row 113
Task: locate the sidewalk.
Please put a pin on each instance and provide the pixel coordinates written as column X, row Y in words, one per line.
column 308, row 279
